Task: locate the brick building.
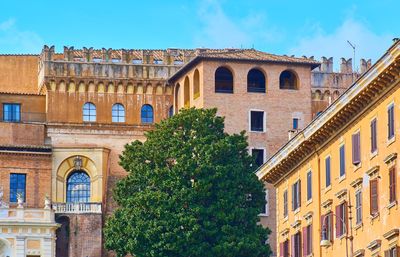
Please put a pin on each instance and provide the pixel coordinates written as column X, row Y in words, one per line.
column 67, row 116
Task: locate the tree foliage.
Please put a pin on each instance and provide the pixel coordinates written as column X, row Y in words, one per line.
column 190, row 191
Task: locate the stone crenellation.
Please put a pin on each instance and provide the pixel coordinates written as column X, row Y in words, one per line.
column 346, row 65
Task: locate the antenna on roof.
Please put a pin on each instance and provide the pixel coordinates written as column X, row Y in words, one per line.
column 354, row 58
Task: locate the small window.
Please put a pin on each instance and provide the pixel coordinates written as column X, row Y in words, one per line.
column 392, row 185
column 255, row 81
column 358, row 207
column 295, row 123
column 390, row 121
column 307, row 235
column 259, row 156
column 171, row 112
column 287, row 80
column 342, row 164
column 147, row 115
column 89, row 112
column 373, row 191
column 265, row 210
column 296, row 241
column 223, row 80
column 257, row 121
column 118, row 113
column 327, row 171
column 296, row 192
column 17, row 187
column 309, row 185
column 285, row 204
column 11, row 112
column 374, row 145
column 356, row 148
column 285, row 249
column 341, row 219
column 327, row 226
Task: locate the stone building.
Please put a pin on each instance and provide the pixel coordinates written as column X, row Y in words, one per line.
column 67, row 116
column 337, row 181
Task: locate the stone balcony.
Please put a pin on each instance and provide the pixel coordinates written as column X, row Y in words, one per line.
column 76, row 208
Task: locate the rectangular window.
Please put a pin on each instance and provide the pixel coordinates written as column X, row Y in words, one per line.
column 392, row 185
column 259, row 156
column 295, row 123
column 327, row 171
column 327, row 226
column 265, row 210
column 392, row 252
column 373, row 190
column 342, row 168
column 358, row 207
column 309, row 185
column 374, row 145
column 257, row 121
column 284, row 249
column 390, row 121
column 341, row 219
column 307, row 240
column 285, row 204
column 356, row 148
column 17, row 186
column 296, row 195
column 296, row 245
column 12, row 112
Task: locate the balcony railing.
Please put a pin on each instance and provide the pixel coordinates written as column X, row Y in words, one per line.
column 77, row 208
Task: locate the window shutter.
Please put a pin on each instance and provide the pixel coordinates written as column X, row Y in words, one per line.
column 293, row 193
column 305, row 241
column 392, row 184
column 281, row 250
column 322, row 225
column 300, row 250
column 356, row 148
column 373, row 136
column 310, row 240
column 373, row 196
column 345, row 218
column 387, row 253
column 299, row 194
column 337, row 224
column 293, row 248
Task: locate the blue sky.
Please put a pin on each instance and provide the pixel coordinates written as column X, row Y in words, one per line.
column 311, row 28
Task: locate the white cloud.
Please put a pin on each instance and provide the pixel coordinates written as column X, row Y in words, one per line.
column 14, row 40
column 218, row 30
column 369, row 45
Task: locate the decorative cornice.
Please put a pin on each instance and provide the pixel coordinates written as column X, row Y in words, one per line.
column 327, row 204
column 359, row 253
column 357, row 182
column 391, row 233
column 373, row 171
column 374, row 244
column 342, row 193
column 285, row 232
column 391, row 157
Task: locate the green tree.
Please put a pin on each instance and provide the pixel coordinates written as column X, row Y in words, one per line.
column 190, row 191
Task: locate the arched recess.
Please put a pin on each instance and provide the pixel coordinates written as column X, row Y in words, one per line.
column 223, row 80
column 176, row 96
column 73, row 164
column 62, row 235
column 186, row 93
column 196, row 84
column 288, row 80
column 5, row 248
column 256, row 81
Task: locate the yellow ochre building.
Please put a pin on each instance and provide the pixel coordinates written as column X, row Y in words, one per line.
column 337, row 181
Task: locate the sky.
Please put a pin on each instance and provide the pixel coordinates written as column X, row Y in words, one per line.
column 310, row 28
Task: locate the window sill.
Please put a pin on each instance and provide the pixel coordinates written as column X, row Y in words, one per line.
column 327, row 189
column 309, row 202
column 357, row 226
column 296, row 211
column 341, row 236
column 356, row 166
column 343, row 177
column 257, row 131
column 224, row 92
column 374, row 216
column 309, row 255
column 391, row 205
column 263, row 215
column 372, row 155
column 285, row 219
column 390, row 141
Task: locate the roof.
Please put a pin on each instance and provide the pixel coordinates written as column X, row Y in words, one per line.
column 367, row 89
column 244, row 55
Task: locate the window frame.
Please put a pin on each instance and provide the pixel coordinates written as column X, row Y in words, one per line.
column 263, row 81
column 296, row 195
column 342, row 161
column 374, row 199
column 296, row 80
column 390, row 122
column 90, row 114
column 358, row 206
column 285, row 204
column 87, row 192
column 374, row 134
column 15, row 116
column 118, row 118
column 143, row 120
column 328, row 170
column 217, row 88
column 392, row 185
column 309, row 185
column 295, row 123
column 263, row 149
column 17, row 189
column 263, row 121
column 356, row 147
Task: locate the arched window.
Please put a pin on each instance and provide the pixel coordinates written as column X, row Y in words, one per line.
column 78, row 187
column 287, row 80
column 196, row 84
column 147, row 114
column 223, row 80
column 171, row 111
column 89, row 112
column 118, row 113
column 255, row 81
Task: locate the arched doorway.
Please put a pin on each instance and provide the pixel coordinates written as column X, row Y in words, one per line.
column 5, row 248
column 62, row 234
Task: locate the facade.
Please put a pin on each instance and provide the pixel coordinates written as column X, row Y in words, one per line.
column 336, row 181
column 67, row 116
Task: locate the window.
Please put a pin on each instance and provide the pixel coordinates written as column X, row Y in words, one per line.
column 78, row 187
column 17, row 186
column 285, row 204
column 309, row 185
column 358, row 207
column 392, row 185
column 296, row 195
column 265, row 209
column 118, row 113
column 12, row 112
column 196, row 84
column 255, row 81
column 373, row 136
column 327, row 226
column 147, row 115
column 327, row 171
column 296, row 245
column 287, row 80
column 295, row 123
column 89, row 112
column 307, row 237
column 223, row 80
column 392, row 252
column 259, row 156
column 341, row 219
column 390, row 112
column 356, row 148
column 284, row 249
column 171, row 112
column 373, row 191
column 342, row 164
column 257, row 121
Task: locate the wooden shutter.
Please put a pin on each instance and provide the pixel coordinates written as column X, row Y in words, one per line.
column 373, row 136
column 390, row 122
column 293, row 248
column 293, row 193
column 322, row 225
column 337, row 223
column 392, row 184
column 310, row 240
column 356, row 148
column 373, row 196
column 305, row 240
column 281, row 250
column 299, row 194
column 345, row 218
